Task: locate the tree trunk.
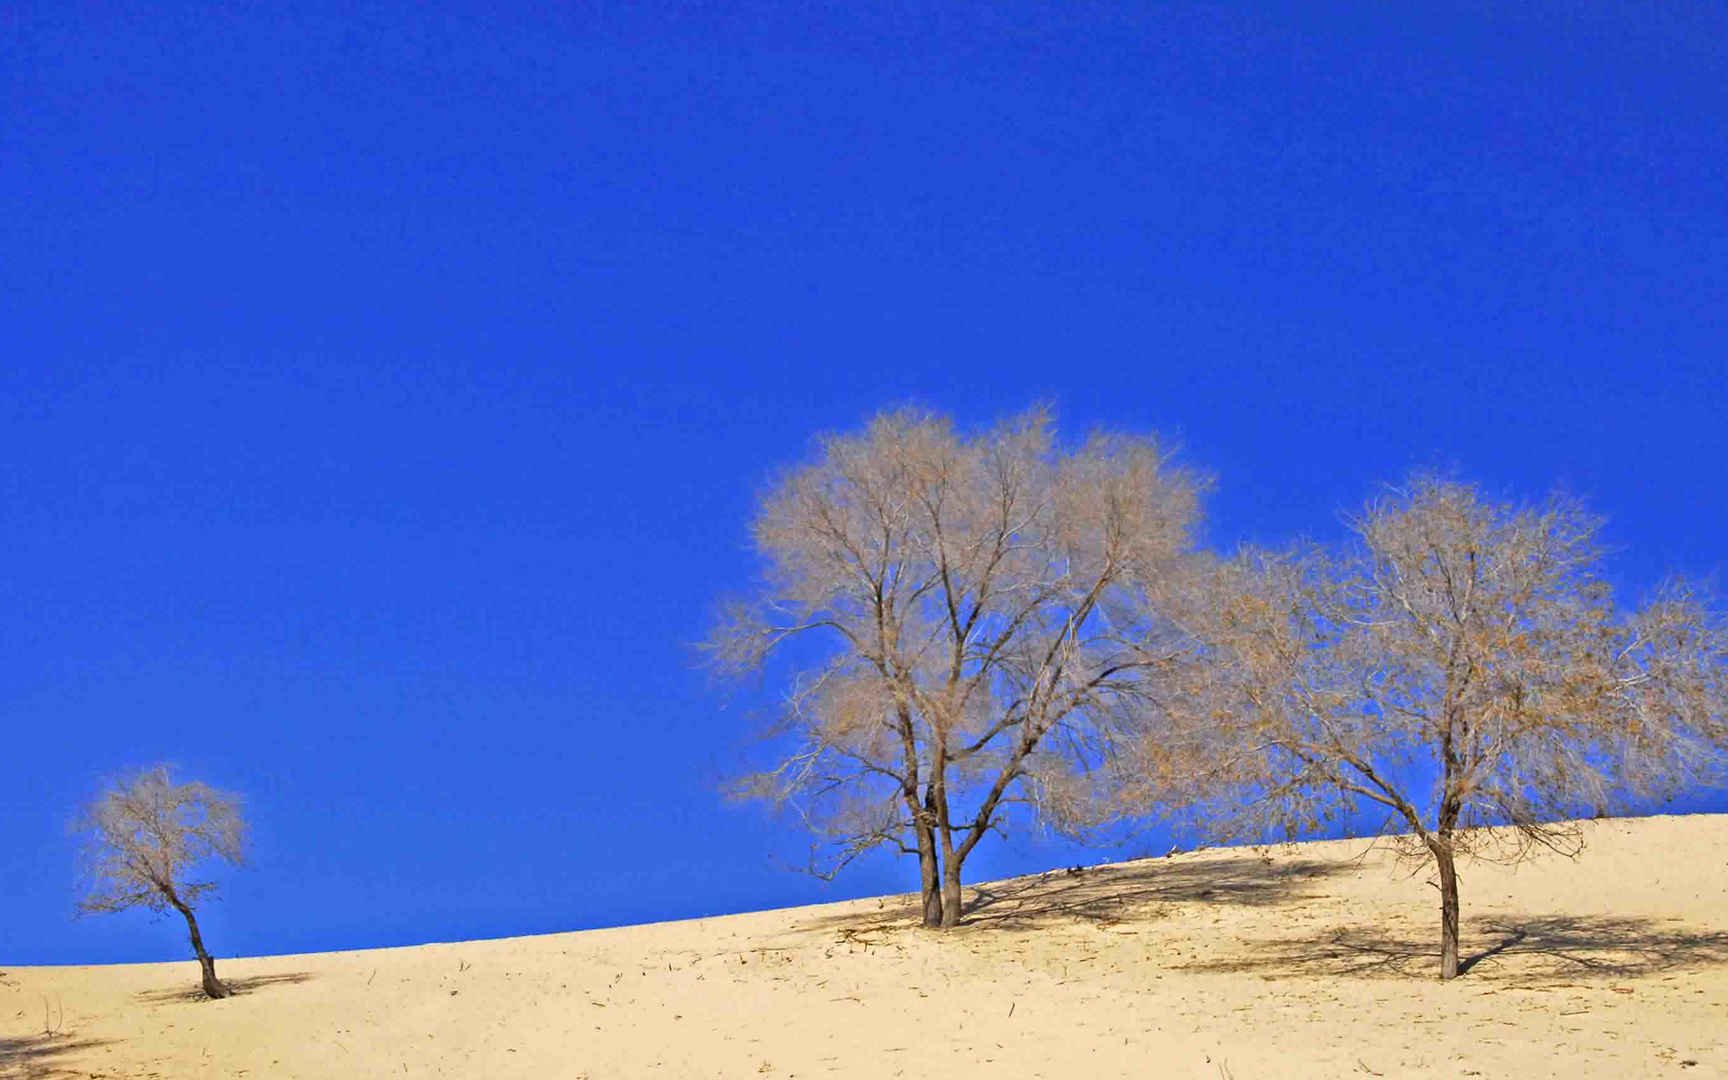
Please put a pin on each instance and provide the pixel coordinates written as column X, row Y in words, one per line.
column 1448, row 911
column 951, row 893
column 931, row 888
column 213, row 987
column 929, row 870
column 950, row 861
column 923, row 824
column 945, row 833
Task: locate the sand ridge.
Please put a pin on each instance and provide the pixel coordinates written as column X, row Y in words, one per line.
column 1315, row 960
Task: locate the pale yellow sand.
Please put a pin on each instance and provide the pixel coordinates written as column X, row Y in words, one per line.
column 1217, row 964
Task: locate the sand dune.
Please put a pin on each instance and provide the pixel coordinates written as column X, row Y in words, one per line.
column 1314, row 961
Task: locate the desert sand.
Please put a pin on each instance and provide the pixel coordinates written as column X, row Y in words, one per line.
column 1313, row 960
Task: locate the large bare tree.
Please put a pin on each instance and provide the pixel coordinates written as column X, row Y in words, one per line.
column 147, row 837
column 1463, row 666
column 966, row 621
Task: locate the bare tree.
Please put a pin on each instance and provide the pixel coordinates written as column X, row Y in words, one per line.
column 147, row 836
column 1463, row 667
column 972, row 621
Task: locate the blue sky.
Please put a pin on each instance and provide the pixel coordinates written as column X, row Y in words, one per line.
column 383, row 394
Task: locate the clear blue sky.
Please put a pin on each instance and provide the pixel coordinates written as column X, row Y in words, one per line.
column 383, row 391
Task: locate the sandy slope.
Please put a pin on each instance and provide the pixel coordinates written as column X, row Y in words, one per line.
column 1316, row 962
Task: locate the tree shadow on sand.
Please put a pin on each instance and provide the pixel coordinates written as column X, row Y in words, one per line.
column 1110, row 894
column 1498, row 948
column 236, row 988
column 43, row 1057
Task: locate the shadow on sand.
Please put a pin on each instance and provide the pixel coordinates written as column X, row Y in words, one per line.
column 42, row 1057
column 236, row 988
column 1110, row 894
column 1494, row 949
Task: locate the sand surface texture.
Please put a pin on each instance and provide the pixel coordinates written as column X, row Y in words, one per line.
column 1315, row 961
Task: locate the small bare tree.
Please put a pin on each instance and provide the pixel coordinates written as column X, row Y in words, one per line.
column 147, row 836
column 1463, row 667
column 973, row 620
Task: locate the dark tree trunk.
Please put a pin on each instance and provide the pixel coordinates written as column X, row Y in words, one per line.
column 1448, row 911
column 213, row 987
column 929, row 868
column 938, row 803
column 923, row 825
column 931, row 889
column 950, row 861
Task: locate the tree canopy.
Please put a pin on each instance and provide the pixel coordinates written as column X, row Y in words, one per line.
column 974, row 620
